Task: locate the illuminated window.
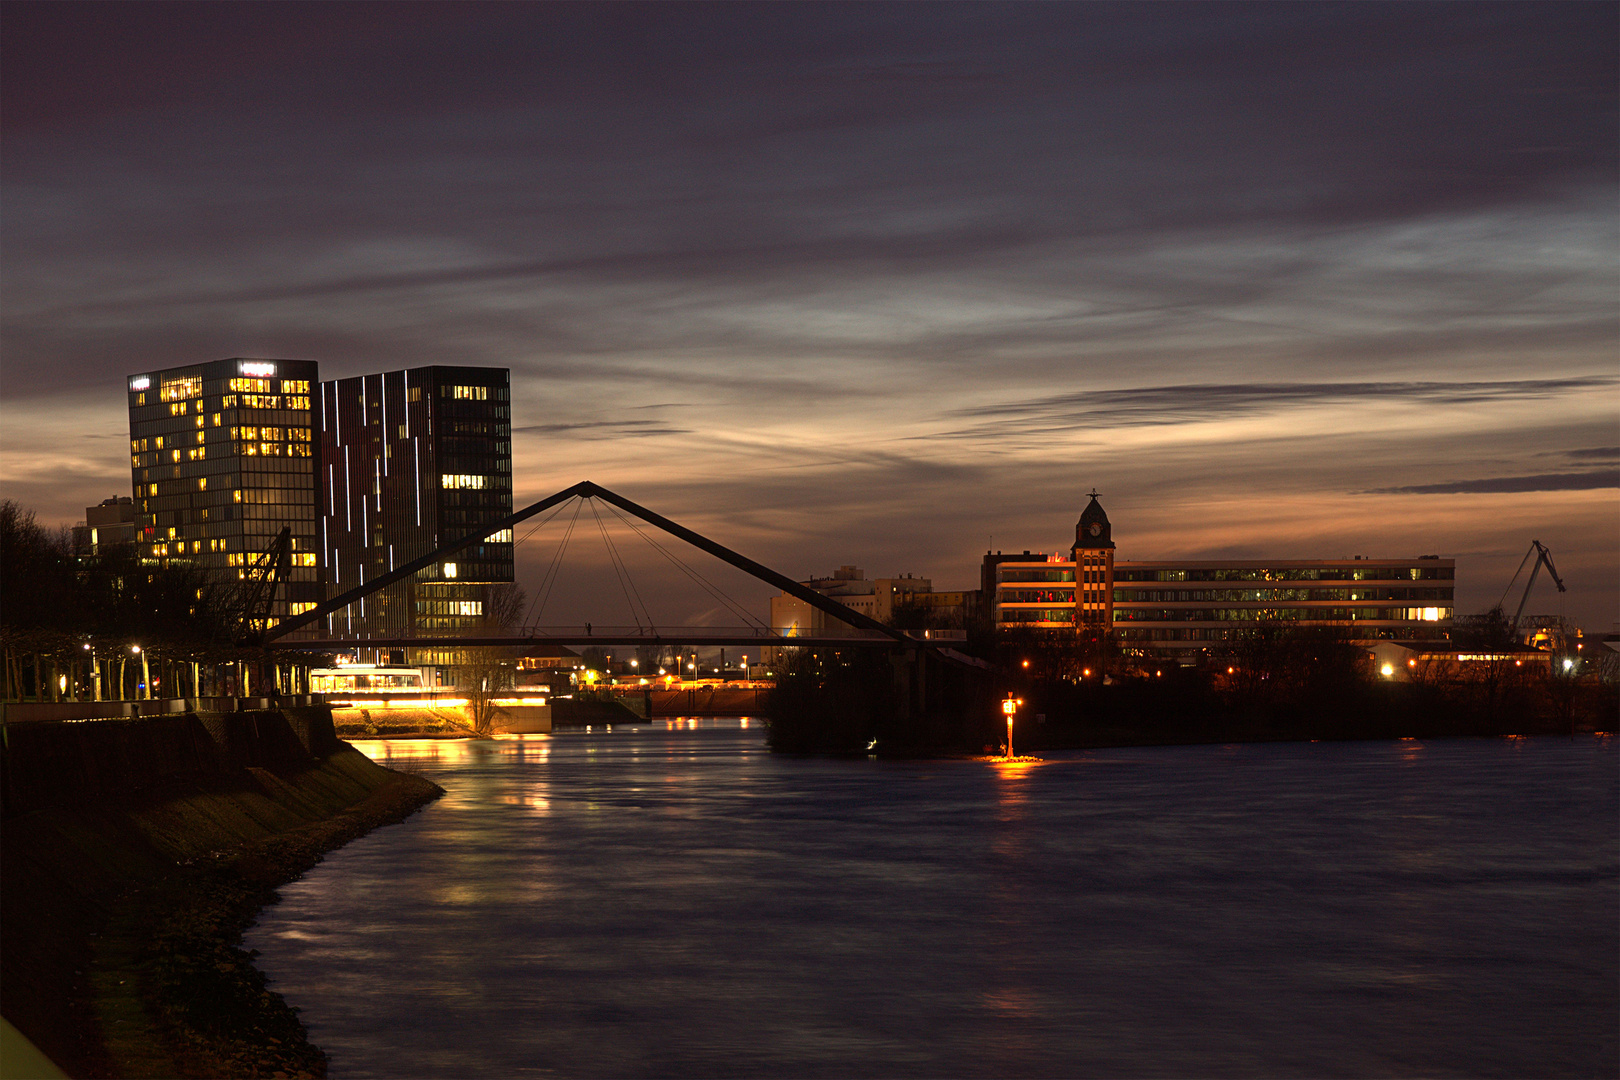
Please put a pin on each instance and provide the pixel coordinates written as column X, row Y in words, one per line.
column 304, row 559
column 216, row 419
column 201, row 435
column 469, row 607
column 250, row 386
column 270, row 433
column 228, row 401
column 171, row 532
column 200, row 420
column 449, row 569
column 299, row 607
column 175, row 454
column 152, row 489
column 295, row 386
column 256, row 367
column 459, row 481
column 177, row 409
column 186, row 386
column 202, row 483
column 299, row 450
column 504, row 536
column 236, row 496
column 140, row 399
column 414, row 394
column 467, row 393
column 298, row 434
column 158, row 442
column 298, row 402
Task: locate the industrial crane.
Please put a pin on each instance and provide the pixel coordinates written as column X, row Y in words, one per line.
column 1542, row 557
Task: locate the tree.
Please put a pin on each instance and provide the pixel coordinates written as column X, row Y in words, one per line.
column 487, row 669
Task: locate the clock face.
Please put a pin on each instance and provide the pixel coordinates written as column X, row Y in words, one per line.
column 1096, row 529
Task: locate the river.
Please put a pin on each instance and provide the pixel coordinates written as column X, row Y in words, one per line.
column 674, row 900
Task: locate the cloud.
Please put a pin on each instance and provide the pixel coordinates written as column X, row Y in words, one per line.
column 603, row 429
column 1195, row 402
column 1586, row 481
column 1595, row 453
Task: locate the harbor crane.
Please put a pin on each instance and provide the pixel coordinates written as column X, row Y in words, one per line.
column 1543, row 557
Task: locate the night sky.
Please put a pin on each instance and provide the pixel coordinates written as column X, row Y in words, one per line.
column 869, row 284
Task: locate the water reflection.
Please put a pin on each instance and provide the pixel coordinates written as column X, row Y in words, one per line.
column 656, row 901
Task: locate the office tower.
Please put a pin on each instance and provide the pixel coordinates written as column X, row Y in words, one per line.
column 411, row 460
column 222, row 457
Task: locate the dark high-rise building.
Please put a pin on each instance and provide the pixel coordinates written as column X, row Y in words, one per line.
column 222, row 457
column 111, row 526
column 411, row 460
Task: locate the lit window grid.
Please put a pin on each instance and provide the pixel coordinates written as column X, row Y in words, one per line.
column 211, row 507
column 1377, row 597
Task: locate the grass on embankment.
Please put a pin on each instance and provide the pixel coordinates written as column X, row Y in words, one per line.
column 121, row 930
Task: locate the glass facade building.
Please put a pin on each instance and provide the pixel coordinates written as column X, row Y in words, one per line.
column 411, row 460
column 222, row 457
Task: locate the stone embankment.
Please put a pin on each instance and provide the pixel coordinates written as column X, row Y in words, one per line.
column 136, row 851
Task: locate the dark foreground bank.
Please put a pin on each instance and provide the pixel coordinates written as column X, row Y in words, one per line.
column 122, row 904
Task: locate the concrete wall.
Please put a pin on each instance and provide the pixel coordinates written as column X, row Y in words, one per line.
column 25, row 712
column 46, row 764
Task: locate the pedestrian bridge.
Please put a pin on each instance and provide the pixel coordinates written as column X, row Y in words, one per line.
column 864, row 631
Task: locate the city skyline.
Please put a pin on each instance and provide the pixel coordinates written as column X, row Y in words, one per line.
column 879, row 286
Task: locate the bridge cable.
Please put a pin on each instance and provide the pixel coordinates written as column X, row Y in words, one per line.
column 541, row 523
column 536, row 527
column 548, row 582
column 622, row 572
column 696, row 577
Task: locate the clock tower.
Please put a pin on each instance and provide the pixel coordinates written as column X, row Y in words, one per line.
column 1093, row 570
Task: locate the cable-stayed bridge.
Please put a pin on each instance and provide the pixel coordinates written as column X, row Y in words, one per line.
column 864, row 631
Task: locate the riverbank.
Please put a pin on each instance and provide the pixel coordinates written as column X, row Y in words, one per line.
column 123, row 914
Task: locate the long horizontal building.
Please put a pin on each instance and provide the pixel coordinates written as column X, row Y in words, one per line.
column 1182, row 606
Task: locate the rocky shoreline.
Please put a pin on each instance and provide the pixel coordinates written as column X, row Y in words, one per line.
column 123, row 924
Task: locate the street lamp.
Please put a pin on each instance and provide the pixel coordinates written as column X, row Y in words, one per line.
column 1009, row 706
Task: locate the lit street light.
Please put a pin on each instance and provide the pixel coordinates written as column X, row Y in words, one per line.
column 1009, row 706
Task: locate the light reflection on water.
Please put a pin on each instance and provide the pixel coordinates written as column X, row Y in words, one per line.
column 659, row 901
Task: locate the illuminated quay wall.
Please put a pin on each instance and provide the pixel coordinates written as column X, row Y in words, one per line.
column 222, row 456
column 411, row 460
column 1180, row 606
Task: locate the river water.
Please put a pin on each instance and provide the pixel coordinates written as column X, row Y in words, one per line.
column 674, row 900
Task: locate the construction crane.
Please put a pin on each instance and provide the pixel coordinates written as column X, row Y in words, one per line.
column 1542, row 557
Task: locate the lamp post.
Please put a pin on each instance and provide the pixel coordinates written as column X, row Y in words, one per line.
column 146, row 670
column 1009, row 706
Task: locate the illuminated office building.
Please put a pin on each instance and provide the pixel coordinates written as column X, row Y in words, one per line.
column 1182, row 606
column 222, row 457
column 411, row 460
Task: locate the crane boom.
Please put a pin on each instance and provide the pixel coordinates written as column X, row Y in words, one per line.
column 1543, row 556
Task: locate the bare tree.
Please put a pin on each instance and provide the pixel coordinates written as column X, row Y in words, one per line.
column 488, row 669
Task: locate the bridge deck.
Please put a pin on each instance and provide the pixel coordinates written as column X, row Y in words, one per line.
column 604, row 640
